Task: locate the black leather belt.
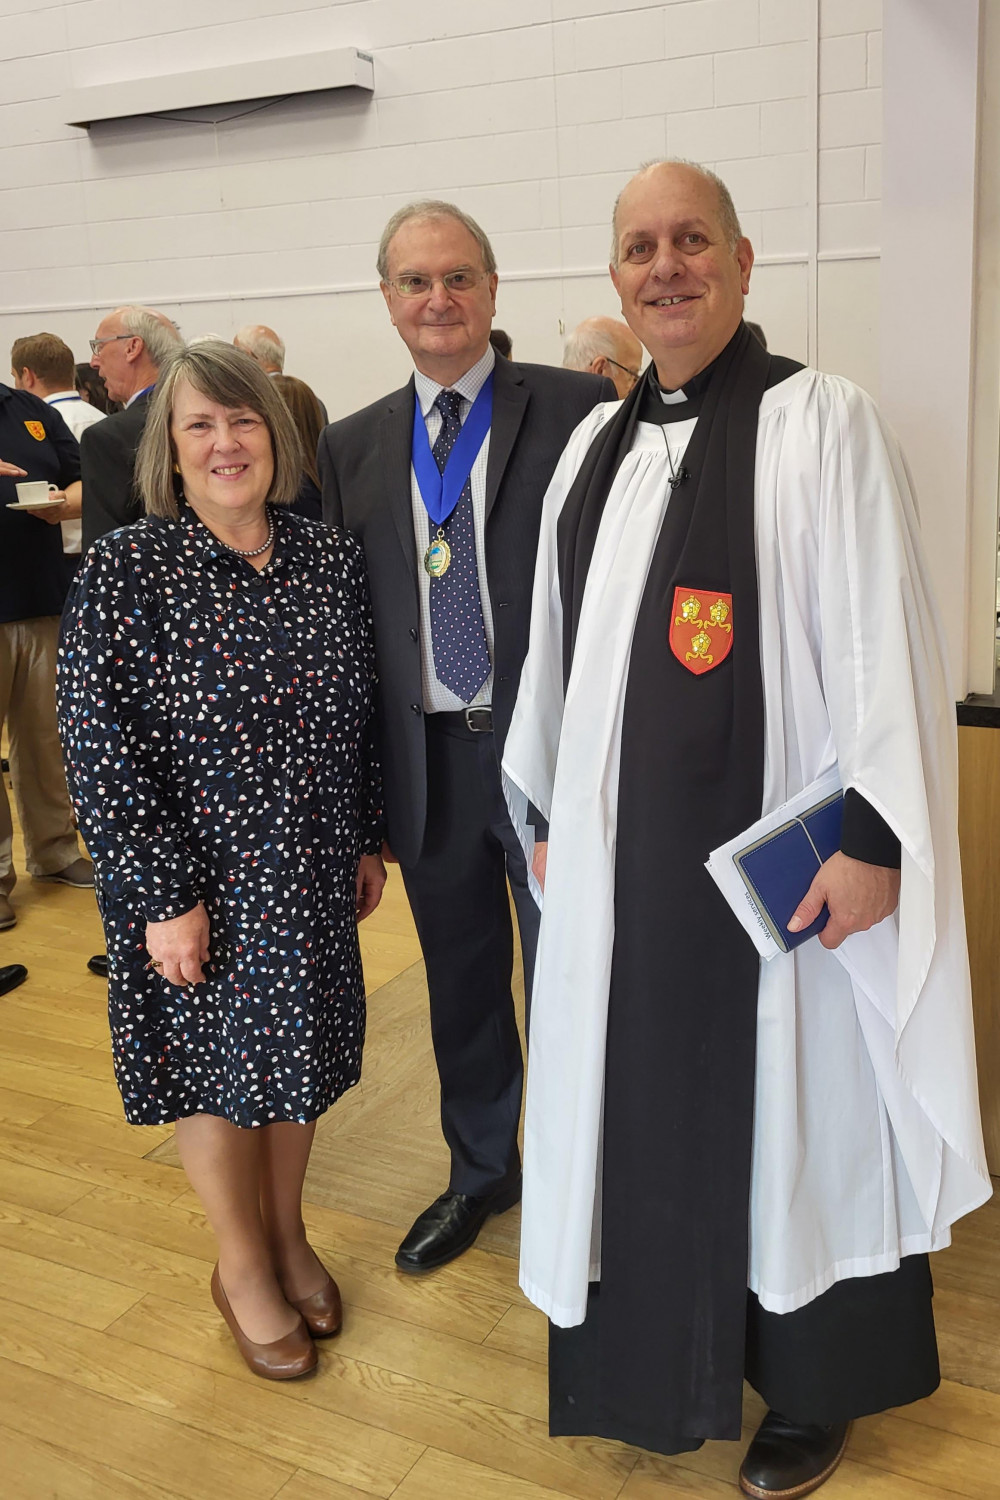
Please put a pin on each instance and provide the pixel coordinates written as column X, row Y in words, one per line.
column 476, row 720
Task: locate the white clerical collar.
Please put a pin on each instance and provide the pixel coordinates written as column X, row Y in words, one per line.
column 63, row 396
column 468, row 385
column 671, row 398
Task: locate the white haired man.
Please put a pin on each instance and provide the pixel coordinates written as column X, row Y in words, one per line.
column 130, row 347
column 263, row 345
column 442, row 481
column 734, row 1168
column 605, row 346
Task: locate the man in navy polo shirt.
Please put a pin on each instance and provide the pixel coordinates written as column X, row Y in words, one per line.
column 35, row 443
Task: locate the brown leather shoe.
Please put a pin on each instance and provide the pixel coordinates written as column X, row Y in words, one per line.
column 323, row 1312
column 285, row 1359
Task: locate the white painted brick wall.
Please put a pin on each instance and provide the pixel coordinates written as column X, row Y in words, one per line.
column 531, row 114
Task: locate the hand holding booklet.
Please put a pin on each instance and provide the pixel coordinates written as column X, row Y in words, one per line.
column 765, row 871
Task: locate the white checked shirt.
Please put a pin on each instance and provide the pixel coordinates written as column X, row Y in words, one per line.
column 438, row 698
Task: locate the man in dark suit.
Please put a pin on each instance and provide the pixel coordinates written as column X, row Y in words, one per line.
column 131, row 346
column 443, row 482
column 129, row 349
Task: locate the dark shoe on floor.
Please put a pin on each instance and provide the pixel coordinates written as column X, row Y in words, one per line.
column 98, row 964
column 285, row 1359
column 8, row 916
column 80, row 873
column 787, row 1460
column 450, row 1226
column 11, row 976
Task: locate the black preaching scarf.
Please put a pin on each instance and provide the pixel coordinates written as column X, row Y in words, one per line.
column 659, row 1360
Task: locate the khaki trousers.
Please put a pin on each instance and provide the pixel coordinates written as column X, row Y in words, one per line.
column 28, row 705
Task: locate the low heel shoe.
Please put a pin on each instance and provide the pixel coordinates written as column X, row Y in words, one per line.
column 323, row 1312
column 285, row 1359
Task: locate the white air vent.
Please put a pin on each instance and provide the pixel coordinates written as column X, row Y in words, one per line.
column 278, row 77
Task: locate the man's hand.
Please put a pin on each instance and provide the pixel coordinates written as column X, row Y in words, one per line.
column 858, row 896
column 538, row 862
column 51, row 513
column 371, row 881
column 179, row 946
column 11, row 471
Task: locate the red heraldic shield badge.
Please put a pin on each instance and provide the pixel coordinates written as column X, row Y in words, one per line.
column 701, row 628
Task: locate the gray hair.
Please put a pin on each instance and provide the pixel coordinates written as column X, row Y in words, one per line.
column 433, row 208
column 587, row 342
column 263, row 344
column 729, row 221
column 161, row 336
column 234, row 380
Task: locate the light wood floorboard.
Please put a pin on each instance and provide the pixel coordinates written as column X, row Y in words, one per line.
column 118, row 1380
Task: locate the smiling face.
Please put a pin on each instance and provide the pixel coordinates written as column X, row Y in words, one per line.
column 224, row 454
column 681, row 282
column 445, row 331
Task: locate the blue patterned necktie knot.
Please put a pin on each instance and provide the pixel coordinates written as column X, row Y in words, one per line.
column 458, row 631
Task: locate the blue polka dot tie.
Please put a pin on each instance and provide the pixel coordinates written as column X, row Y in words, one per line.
column 458, row 634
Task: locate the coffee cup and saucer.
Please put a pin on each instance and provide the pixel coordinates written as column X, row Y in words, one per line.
column 35, row 494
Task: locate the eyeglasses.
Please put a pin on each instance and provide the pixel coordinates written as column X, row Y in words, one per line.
column 422, row 286
column 96, row 345
column 624, row 368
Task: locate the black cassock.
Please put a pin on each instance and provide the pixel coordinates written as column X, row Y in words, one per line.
column 671, row 1329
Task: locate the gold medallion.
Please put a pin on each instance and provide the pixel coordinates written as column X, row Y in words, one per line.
column 437, row 558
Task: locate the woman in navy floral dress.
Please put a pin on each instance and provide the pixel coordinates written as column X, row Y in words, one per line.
column 215, row 688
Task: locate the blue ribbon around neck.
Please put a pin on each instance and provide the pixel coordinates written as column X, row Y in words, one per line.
column 440, row 492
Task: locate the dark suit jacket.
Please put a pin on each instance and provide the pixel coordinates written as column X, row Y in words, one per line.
column 107, row 464
column 364, row 465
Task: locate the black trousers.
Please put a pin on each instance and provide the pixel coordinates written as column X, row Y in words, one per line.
column 457, row 891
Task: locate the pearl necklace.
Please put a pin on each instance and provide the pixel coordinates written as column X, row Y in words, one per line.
column 255, row 551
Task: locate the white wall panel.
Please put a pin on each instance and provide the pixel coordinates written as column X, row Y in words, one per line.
column 531, row 115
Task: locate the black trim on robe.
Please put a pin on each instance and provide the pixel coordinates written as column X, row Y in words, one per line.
column 662, row 1344
column 659, row 1360
column 865, row 835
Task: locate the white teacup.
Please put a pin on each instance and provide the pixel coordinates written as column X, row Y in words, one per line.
column 34, row 490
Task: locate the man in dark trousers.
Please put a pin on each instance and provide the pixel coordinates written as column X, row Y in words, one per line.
column 443, row 483
column 129, row 349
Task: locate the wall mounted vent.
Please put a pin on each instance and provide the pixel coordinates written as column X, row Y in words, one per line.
column 278, row 77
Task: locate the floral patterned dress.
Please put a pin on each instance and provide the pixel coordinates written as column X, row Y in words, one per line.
column 217, row 726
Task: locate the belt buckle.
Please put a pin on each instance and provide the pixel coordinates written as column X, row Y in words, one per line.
column 479, row 720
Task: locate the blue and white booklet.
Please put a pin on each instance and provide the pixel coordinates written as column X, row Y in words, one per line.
column 765, row 871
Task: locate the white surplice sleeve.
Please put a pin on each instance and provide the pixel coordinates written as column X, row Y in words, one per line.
column 894, row 727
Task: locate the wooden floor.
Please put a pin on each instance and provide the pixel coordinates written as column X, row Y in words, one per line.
column 119, row 1382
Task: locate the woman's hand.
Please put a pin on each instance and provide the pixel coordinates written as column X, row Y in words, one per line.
column 179, row 946
column 11, row 471
column 371, row 880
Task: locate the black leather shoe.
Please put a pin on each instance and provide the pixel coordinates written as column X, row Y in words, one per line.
column 98, row 964
column 450, row 1226
column 787, row 1460
column 11, row 976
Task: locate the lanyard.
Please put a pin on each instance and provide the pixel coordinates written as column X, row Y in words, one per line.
column 440, row 492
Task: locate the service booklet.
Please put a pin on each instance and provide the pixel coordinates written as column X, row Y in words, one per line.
column 765, row 871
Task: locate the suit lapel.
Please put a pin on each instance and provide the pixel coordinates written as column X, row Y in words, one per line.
column 510, row 400
column 396, row 438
